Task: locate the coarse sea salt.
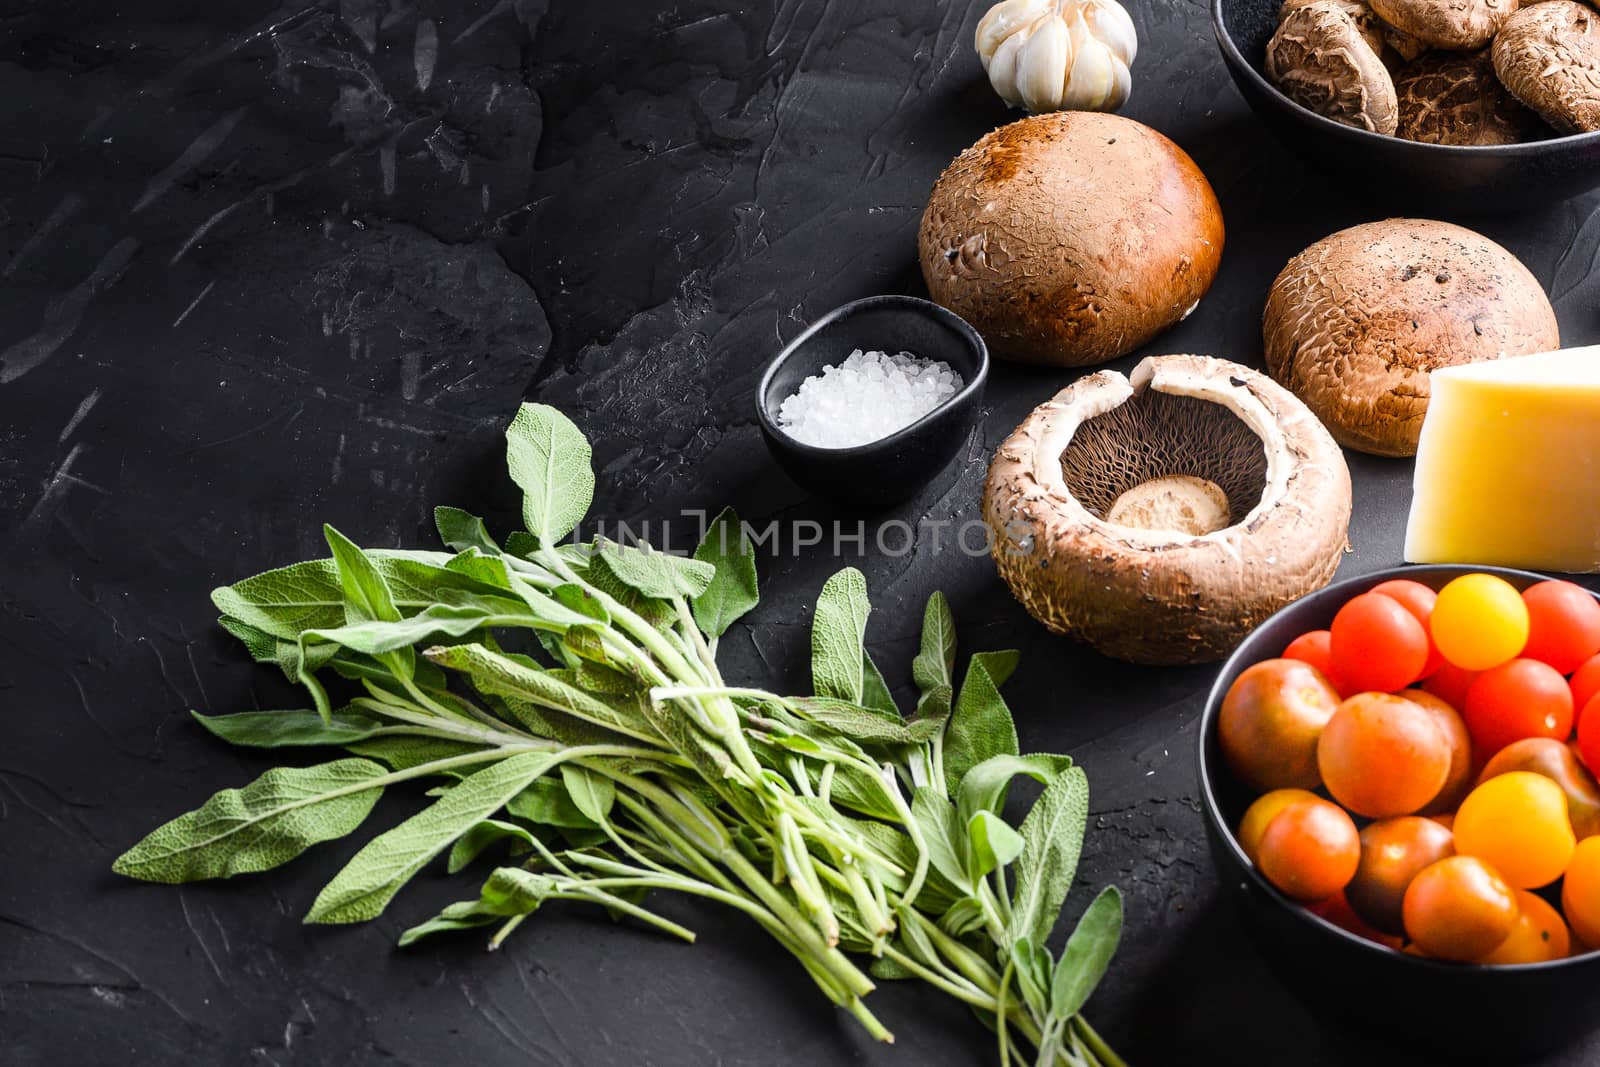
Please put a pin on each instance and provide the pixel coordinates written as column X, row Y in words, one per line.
column 867, row 397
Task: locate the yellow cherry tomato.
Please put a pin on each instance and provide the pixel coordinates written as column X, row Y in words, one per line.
column 1518, row 824
column 1538, row 937
column 1580, row 893
column 1264, row 809
column 1479, row 622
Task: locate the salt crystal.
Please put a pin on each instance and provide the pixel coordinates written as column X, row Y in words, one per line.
column 867, row 397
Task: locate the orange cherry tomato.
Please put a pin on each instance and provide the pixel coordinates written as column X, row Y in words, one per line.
column 1520, row 698
column 1580, row 893
column 1559, row 763
column 1382, row 755
column 1336, row 909
column 1314, row 647
column 1479, row 621
column 1450, row 684
column 1377, row 644
column 1517, row 822
column 1459, row 778
column 1393, row 852
column 1419, row 600
column 1589, row 735
column 1262, row 811
column 1270, row 721
column 1563, row 624
column 1310, row 850
column 1539, row 936
column 1459, row 909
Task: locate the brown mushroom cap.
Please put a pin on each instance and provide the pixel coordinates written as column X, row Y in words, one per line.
column 1354, row 324
column 1371, row 26
column 1319, row 58
column 1548, row 56
column 1071, row 238
column 1455, row 98
column 1451, row 24
column 1160, row 596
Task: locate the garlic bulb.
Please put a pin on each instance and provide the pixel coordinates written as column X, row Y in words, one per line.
column 1053, row 55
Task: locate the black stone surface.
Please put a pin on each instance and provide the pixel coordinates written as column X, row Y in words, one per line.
column 269, row 266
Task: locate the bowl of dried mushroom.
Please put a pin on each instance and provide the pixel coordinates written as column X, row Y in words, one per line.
column 1464, row 105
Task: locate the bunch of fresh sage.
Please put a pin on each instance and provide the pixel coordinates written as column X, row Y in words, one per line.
column 566, row 703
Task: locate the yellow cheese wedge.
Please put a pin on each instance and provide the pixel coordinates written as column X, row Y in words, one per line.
column 1508, row 467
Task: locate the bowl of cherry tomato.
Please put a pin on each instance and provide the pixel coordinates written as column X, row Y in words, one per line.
column 1399, row 782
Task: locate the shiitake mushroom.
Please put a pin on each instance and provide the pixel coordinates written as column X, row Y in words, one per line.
column 1455, row 98
column 1127, row 580
column 1548, row 56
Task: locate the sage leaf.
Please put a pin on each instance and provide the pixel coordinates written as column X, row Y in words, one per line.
column 366, row 595
column 592, row 793
column 546, row 802
column 375, row 874
column 991, row 843
column 440, row 620
column 307, row 596
column 279, row 729
column 935, row 663
column 654, row 573
column 286, row 655
column 1052, row 839
column 496, row 673
column 472, row 843
column 733, row 589
column 963, row 917
column 1034, row 965
column 981, row 725
column 549, row 459
column 654, row 610
column 462, row 530
column 875, row 694
column 861, row 725
column 456, row 917
column 402, row 752
column 1087, row 955
column 983, row 788
column 267, row 823
column 941, row 835
column 837, row 633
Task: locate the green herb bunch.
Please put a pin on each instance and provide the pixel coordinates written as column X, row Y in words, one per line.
column 566, row 701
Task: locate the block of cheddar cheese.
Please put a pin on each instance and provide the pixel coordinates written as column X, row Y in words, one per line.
column 1508, row 466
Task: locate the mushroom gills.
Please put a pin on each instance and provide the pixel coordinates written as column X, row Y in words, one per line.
column 1165, row 462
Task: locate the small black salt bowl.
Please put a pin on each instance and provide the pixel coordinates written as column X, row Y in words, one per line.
column 1425, row 179
column 1502, row 1014
column 892, row 468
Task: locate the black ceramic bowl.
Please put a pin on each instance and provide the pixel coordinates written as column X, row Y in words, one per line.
column 1424, row 178
column 1506, row 1013
column 895, row 467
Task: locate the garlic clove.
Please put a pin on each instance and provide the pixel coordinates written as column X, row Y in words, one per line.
column 1091, row 82
column 1043, row 64
column 1002, row 21
column 1111, row 25
column 1003, row 66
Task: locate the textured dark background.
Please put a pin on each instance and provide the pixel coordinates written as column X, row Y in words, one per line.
column 264, row 267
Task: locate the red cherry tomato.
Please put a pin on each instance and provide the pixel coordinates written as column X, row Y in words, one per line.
column 1450, row 684
column 1418, row 599
column 1377, row 645
column 1314, row 648
column 1589, row 737
column 1585, row 684
column 1520, row 698
column 1563, row 624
